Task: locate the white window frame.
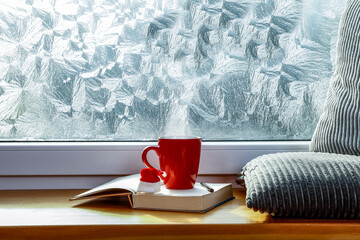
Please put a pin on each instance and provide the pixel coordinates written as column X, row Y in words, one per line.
column 78, row 165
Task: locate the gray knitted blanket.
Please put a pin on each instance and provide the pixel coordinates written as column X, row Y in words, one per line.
column 311, row 185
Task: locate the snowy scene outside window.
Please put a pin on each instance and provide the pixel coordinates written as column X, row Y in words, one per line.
column 140, row 69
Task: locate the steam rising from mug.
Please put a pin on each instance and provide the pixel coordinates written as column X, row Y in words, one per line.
column 177, row 124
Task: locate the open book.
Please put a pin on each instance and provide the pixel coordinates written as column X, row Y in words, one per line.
column 198, row 199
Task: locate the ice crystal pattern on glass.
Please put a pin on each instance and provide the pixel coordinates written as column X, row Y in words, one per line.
column 127, row 70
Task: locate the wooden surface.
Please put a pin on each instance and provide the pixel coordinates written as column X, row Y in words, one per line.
column 47, row 214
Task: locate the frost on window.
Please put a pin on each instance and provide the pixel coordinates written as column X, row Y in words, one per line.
column 140, row 69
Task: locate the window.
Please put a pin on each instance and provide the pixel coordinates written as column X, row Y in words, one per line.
column 137, row 70
column 124, row 71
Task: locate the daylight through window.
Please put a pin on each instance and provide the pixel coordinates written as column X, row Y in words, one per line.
column 140, row 69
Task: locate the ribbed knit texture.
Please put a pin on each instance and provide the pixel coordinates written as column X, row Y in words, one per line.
column 338, row 128
column 310, row 185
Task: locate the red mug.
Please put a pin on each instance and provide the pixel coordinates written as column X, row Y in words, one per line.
column 179, row 160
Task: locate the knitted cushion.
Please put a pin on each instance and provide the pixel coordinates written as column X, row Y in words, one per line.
column 338, row 128
column 310, row 185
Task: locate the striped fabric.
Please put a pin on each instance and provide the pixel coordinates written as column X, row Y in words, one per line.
column 319, row 184
column 338, row 127
column 307, row 184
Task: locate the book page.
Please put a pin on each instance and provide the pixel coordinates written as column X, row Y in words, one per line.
column 198, row 190
column 198, row 199
column 119, row 186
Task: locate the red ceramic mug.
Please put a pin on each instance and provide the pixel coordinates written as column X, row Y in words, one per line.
column 179, row 160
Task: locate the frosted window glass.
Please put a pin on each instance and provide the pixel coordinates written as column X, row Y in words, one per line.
column 140, row 69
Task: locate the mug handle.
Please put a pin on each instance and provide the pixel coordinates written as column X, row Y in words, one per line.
column 161, row 174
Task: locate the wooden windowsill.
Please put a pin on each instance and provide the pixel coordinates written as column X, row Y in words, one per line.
column 47, row 214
